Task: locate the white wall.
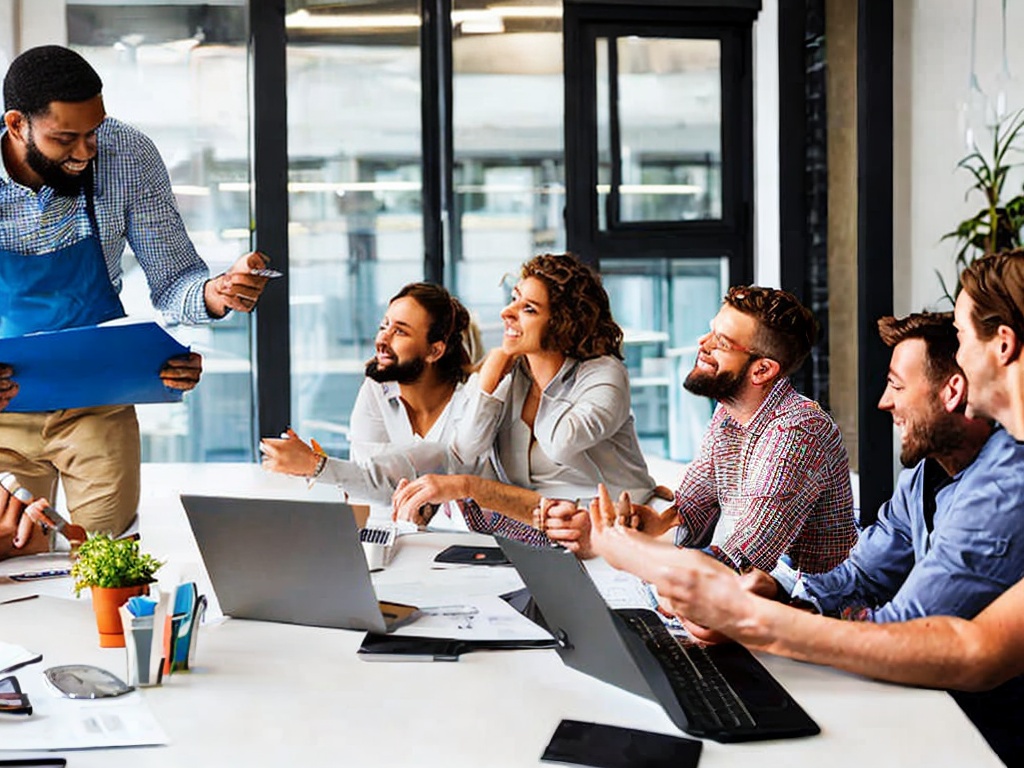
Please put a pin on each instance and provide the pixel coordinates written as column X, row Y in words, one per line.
column 932, row 40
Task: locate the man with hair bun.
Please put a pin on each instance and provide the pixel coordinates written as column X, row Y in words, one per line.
column 408, row 408
column 75, row 188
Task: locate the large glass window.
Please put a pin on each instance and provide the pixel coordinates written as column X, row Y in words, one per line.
column 658, row 164
column 179, row 73
column 509, row 174
column 664, row 306
column 354, row 197
column 664, row 159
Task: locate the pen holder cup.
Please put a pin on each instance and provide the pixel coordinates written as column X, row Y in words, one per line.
column 145, row 661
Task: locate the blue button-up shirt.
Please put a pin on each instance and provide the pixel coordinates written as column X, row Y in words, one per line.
column 134, row 205
column 974, row 552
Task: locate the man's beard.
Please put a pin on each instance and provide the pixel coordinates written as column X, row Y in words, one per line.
column 400, row 373
column 721, row 386
column 52, row 174
column 938, row 435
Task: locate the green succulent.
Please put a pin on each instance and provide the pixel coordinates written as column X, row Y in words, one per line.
column 104, row 561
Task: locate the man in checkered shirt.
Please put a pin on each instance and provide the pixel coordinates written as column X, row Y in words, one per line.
column 772, row 478
column 75, row 188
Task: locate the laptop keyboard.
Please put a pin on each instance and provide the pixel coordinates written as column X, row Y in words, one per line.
column 710, row 702
column 377, row 535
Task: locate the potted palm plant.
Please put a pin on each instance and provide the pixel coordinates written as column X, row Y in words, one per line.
column 997, row 226
column 114, row 570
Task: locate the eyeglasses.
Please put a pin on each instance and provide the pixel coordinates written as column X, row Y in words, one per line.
column 715, row 340
column 12, row 700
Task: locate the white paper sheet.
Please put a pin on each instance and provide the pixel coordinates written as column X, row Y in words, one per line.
column 478, row 618
column 58, row 723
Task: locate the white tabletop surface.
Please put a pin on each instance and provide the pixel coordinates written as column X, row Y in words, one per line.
column 278, row 695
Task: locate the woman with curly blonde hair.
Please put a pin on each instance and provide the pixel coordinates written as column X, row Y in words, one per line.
column 551, row 405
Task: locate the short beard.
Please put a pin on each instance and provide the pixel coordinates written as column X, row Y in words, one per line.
column 400, row 373
column 723, row 387
column 53, row 175
column 939, row 437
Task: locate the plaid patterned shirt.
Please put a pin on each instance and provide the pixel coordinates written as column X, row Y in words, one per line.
column 485, row 521
column 134, row 205
column 780, row 484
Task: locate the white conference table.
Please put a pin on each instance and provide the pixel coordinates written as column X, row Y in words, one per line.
column 267, row 694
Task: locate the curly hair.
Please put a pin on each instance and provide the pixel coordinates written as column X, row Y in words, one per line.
column 995, row 284
column 449, row 322
column 581, row 324
column 937, row 331
column 786, row 328
column 48, row 73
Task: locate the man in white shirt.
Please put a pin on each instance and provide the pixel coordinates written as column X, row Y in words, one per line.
column 406, row 411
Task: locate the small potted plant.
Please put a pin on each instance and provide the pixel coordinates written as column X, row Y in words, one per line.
column 997, row 225
column 115, row 570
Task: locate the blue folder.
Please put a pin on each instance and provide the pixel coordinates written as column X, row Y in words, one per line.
column 94, row 365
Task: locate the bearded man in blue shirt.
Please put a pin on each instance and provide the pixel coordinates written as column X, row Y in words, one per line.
column 951, row 538
column 75, row 188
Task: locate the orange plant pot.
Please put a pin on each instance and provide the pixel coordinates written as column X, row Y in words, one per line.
column 105, row 604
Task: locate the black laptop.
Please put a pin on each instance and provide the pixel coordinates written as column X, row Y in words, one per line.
column 297, row 562
column 717, row 691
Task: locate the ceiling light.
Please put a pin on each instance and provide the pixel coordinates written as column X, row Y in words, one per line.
column 527, row 11
column 303, row 19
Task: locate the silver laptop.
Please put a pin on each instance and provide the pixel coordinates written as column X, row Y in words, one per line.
column 296, row 562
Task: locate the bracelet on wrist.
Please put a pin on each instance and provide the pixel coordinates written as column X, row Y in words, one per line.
column 321, row 462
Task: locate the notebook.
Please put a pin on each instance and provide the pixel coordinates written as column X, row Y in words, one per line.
column 719, row 691
column 296, row 562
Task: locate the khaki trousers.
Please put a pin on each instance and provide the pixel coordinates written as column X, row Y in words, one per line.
column 94, row 452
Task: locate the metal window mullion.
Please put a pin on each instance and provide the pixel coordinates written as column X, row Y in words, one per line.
column 613, row 213
column 437, row 135
column 270, row 347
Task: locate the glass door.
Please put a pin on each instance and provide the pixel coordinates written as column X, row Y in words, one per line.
column 179, row 73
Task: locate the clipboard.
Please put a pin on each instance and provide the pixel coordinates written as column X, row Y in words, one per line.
column 94, row 365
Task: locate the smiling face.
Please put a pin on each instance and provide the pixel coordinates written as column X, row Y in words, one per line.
column 402, row 349
column 526, row 318
column 57, row 146
column 724, row 356
column 914, row 402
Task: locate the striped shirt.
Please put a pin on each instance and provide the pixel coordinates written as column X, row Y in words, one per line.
column 779, row 484
column 134, row 206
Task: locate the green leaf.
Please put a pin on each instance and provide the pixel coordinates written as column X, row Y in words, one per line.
column 103, row 561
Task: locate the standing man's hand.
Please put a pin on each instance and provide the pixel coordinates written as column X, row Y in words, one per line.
column 182, row 372
column 238, row 288
column 8, row 387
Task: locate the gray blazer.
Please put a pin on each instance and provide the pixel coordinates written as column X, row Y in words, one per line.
column 583, row 433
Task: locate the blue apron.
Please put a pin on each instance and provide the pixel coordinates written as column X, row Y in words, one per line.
column 67, row 288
